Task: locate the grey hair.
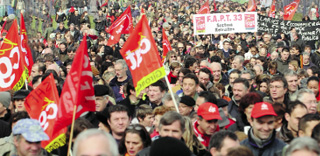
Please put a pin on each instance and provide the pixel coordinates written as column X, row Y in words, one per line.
column 206, row 62
column 113, row 147
column 303, row 91
column 302, row 143
column 275, row 53
column 123, row 63
column 289, row 73
column 167, row 97
column 260, row 66
column 305, row 54
column 240, row 58
column 252, row 74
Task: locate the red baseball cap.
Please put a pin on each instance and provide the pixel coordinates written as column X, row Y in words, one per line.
column 262, row 109
column 209, row 111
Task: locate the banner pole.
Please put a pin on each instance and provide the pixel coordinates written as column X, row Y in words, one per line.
column 71, row 132
column 171, row 93
column 26, row 83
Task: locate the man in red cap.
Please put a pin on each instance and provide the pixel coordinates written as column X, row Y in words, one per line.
column 207, row 122
column 262, row 139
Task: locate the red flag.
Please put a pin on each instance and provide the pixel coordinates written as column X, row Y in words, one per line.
column 142, row 57
column 77, row 89
column 272, row 12
column 12, row 71
column 42, row 104
column 215, row 5
column 290, row 10
column 165, row 45
column 26, row 51
column 252, row 5
column 142, row 11
column 104, row 4
column 204, row 8
column 123, row 25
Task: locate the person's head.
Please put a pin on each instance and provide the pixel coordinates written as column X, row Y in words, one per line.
column 246, row 104
column 263, row 118
column 169, row 146
column 134, row 139
column 158, row 113
column 182, row 73
column 118, row 119
column 144, row 115
column 249, row 75
column 204, row 76
column 308, row 98
column 208, row 116
column 5, row 98
column 284, row 55
column 266, row 38
column 171, row 125
column 258, row 69
column 216, row 70
column 239, row 151
column 313, row 84
column 234, row 74
column 186, row 105
column 175, row 68
column 316, row 133
column 295, row 111
column 222, row 141
column 226, row 45
column 190, row 83
column 121, row 68
column 237, row 62
column 191, row 63
column 240, row 88
column 156, row 91
column 303, row 146
column 306, row 58
column 203, row 97
column 294, row 65
column 313, row 71
column 272, row 67
column 93, row 142
column 274, row 55
column 101, row 93
column 19, row 98
column 292, row 80
column 307, row 123
column 27, row 137
column 278, row 87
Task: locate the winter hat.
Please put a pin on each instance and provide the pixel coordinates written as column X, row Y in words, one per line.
column 169, row 146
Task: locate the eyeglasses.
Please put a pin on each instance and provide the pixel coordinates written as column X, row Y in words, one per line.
column 135, row 127
column 173, row 56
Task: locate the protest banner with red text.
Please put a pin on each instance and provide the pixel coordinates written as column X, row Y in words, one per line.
column 26, row 51
column 123, row 25
column 77, row 89
column 290, row 10
column 42, row 104
column 142, row 57
column 12, row 70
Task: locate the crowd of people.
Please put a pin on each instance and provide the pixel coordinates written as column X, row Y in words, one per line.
column 237, row 94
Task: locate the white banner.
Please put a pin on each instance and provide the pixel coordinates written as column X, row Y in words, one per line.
column 223, row 23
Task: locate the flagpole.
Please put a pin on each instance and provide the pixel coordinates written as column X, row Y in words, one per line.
column 171, row 93
column 71, row 132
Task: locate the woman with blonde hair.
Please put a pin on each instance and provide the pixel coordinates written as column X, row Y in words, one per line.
column 191, row 139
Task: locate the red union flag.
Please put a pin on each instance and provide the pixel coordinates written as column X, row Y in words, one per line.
column 77, row 89
column 204, row 8
column 42, row 104
column 290, row 10
column 165, row 45
column 26, row 51
column 141, row 54
column 123, row 25
column 252, row 6
column 12, row 71
column 272, row 12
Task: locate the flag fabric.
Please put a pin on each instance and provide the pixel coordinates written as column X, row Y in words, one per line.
column 165, row 45
column 142, row 57
column 290, row 10
column 104, row 4
column 252, row 5
column 12, row 72
column 204, row 8
column 215, row 5
column 26, row 51
column 42, row 104
column 272, row 12
column 123, row 25
column 77, row 89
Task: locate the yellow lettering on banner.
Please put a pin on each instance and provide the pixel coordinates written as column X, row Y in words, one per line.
column 56, row 143
column 21, row 82
column 150, row 79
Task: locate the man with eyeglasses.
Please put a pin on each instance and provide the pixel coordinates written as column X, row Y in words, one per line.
column 308, row 98
column 278, row 90
column 120, row 79
column 218, row 75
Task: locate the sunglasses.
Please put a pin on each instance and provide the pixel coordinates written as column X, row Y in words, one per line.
column 135, row 127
